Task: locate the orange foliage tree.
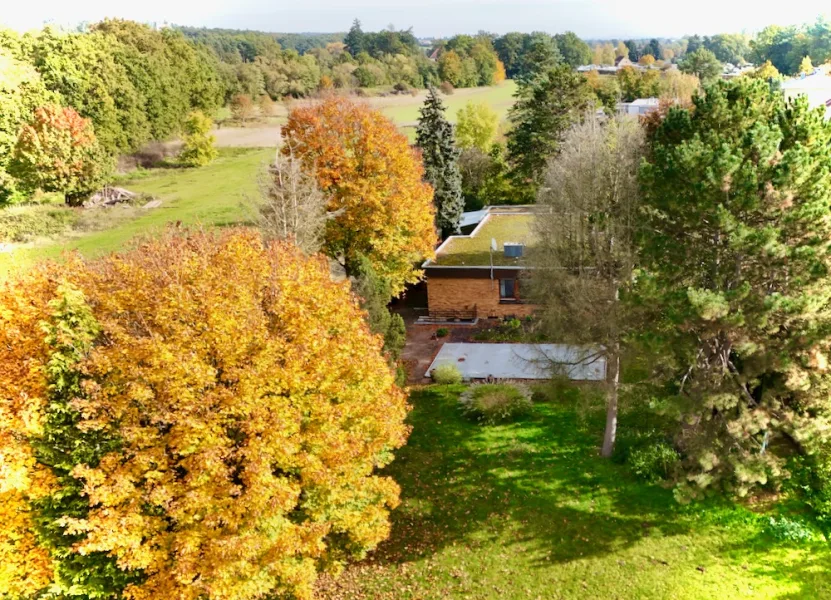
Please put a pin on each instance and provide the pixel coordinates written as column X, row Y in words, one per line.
column 375, row 181
column 247, row 408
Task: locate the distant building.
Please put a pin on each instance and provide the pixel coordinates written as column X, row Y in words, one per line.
column 623, row 61
column 639, row 107
column 816, row 87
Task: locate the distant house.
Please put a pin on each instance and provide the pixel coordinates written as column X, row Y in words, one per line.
column 639, row 107
column 623, row 61
column 816, row 87
column 483, row 274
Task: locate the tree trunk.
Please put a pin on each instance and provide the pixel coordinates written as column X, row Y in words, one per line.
column 611, row 401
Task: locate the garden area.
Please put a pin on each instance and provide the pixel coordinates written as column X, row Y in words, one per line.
column 528, row 509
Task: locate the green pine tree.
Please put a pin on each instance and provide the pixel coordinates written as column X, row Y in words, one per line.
column 736, row 249
column 355, row 39
column 546, row 107
column 434, row 135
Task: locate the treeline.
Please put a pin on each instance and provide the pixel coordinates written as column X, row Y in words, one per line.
column 525, row 53
column 133, row 83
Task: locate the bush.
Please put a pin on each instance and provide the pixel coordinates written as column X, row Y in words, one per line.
column 492, row 403
column 446, row 374
column 442, row 332
column 654, row 461
column 22, row 224
column 447, row 88
column 401, row 88
column 785, row 529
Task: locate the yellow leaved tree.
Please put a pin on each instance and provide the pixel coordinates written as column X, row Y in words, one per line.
column 223, row 409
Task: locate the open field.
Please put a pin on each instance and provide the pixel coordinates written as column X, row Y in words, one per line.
column 529, row 510
column 401, row 108
column 212, row 195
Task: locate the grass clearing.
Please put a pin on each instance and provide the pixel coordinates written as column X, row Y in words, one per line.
column 529, row 510
column 210, row 196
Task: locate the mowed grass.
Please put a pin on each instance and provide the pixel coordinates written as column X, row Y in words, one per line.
column 529, row 510
column 214, row 195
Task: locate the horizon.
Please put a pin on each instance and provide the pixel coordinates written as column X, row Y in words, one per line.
column 589, row 19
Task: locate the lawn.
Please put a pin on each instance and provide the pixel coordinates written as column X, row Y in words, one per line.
column 530, row 510
column 212, row 195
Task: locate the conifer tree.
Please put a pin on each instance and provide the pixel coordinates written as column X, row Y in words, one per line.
column 735, row 248
column 354, row 39
column 434, row 135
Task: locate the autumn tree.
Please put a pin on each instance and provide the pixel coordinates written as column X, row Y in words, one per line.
column 375, row 183
column 242, row 107
column 585, row 253
column 734, row 247
column 58, row 152
column 198, row 149
column 434, row 135
column 476, row 126
column 168, row 431
column 546, row 107
column 291, row 206
column 646, row 60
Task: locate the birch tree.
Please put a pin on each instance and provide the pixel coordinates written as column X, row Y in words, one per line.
column 584, row 255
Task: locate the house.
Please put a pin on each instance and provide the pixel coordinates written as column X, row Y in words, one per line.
column 639, row 107
column 816, row 87
column 623, row 61
column 483, row 274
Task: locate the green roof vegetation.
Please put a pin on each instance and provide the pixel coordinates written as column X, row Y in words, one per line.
column 475, row 250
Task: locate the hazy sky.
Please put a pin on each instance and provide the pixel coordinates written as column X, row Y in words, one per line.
column 588, row 18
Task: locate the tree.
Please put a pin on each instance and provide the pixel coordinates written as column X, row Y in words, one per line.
column 242, row 107
column 634, row 50
column 355, row 40
column 265, row 105
column 585, row 251
column 702, row 63
column 541, row 54
column 21, row 92
column 546, row 107
column 766, row 72
column 366, row 167
column 58, row 152
column 646, row 60
column 603, row 54
column 291, row 205
column 198, row 149
column 805, row 66
column 736, row 275
column 250, row 451
column 653, row 48
column 476, row 125
column 451, row 68
column 575, row 52
column 434, row 135
column 374, row 295
column 621, row 50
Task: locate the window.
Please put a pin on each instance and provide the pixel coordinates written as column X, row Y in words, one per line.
column 507, row 289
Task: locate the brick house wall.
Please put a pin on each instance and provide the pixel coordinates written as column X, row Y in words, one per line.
column 466, row 290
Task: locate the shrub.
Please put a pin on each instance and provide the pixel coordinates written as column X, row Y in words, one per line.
column 442, row 332
column 492, row 403
column 446, row 374
column 22, row 224
column 654, row 461
column 785, row 529
column 446, row 88
column 401, row 88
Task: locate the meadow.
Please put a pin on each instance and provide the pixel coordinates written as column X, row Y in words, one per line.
column 530, row 510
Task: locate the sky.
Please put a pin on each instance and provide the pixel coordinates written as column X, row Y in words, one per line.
column 428, row 18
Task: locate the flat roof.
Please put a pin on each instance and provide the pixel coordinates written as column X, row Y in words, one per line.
column 503, row 224
column 522, row 361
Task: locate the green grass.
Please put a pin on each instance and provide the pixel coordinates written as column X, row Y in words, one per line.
column 500, row 98
column 529, row 510
column 211, row 195
column 475, row 250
